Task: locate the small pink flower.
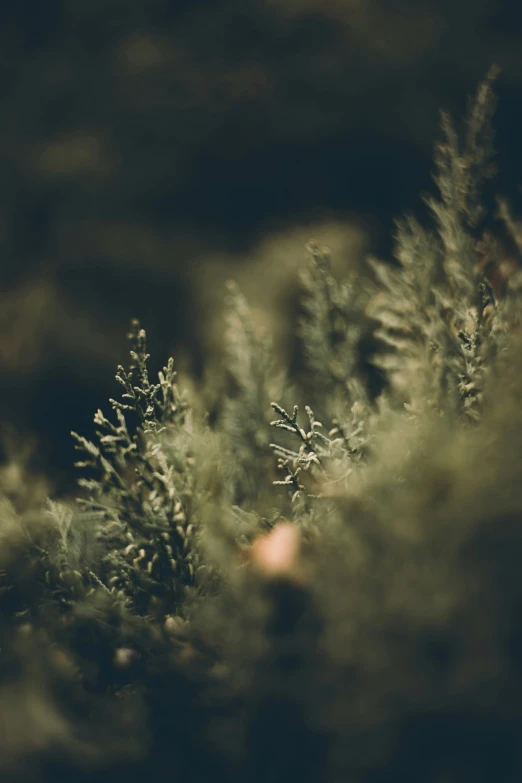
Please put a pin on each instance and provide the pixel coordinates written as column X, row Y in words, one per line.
column 277, row 552
column 173, row 625
column 124, row 657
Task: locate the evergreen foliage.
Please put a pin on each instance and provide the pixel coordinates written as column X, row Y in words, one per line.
column 341, row 604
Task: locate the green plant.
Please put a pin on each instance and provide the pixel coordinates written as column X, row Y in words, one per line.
column 142, row 498
column 356, row 619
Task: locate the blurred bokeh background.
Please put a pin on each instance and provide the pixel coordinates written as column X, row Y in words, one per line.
column 152, row 149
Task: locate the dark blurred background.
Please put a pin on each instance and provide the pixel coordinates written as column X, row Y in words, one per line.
column 152, row 149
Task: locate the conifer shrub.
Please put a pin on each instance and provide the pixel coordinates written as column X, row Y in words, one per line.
column 317, row 583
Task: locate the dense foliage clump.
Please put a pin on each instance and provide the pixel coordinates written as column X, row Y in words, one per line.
column 317, row 583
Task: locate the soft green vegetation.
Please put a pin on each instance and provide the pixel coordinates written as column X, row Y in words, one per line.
column 319, row 584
